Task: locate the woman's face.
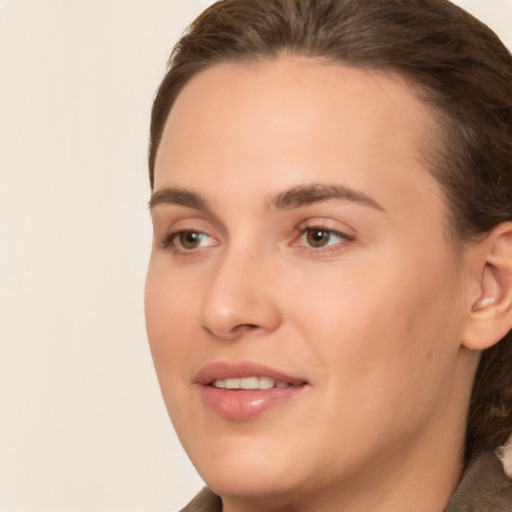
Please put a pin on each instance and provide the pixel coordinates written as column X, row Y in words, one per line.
column 304, row 306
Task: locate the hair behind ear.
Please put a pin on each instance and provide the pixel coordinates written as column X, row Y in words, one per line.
column 490, row 318
column 490, row 411
column 489, row 330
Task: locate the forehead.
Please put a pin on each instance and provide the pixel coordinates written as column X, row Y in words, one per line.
column 275, row 124
column 293, row 92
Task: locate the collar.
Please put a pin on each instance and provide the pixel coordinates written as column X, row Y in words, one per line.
column 484, row 487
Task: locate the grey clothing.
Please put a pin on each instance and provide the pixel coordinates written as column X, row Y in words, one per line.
column 484, row 487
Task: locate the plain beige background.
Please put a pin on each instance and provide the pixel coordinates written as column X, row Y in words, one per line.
column 82, row 424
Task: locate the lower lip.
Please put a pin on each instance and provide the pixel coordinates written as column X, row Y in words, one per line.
column 246, row 405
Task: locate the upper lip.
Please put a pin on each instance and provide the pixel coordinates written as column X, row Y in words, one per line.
column 229, row 370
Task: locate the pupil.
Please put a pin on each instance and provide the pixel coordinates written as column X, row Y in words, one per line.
column 190, row 240
column 318, row 238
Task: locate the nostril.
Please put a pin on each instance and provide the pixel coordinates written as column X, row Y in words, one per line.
column 227, row 311
column 232, row 333
column 245, row 327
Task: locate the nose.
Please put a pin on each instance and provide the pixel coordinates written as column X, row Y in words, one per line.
column 241, row 297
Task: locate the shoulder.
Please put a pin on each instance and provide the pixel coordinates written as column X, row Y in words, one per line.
column 205, row 501
column 484, row 487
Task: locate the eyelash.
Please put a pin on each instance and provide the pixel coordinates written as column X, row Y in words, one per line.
column 169, row 240
column 345, row 238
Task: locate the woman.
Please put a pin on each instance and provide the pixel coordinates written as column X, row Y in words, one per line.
column 329, row 296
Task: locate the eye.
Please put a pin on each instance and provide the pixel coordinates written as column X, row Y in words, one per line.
column 319, row 238
column 191, row 239
column 187, row 241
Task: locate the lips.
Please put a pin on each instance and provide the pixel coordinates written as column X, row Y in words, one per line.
column 248, row 383
column 246, row 390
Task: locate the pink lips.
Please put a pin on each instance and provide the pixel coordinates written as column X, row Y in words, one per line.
column 243, row 405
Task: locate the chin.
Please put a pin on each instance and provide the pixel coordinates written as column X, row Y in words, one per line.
column 263, row 484
column 249, row 473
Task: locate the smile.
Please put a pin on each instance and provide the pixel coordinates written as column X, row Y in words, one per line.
column 244, row 391
column 249, row 383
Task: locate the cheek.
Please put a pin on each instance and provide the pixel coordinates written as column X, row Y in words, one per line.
column 382, row 326
column 168, row 309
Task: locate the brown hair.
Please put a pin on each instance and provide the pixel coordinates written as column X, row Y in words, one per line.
column 458, row 66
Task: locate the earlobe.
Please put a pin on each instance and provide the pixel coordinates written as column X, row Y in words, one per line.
column 490, row 318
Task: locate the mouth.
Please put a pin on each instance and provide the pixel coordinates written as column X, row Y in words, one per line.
column 251, row 383
column 244, row 391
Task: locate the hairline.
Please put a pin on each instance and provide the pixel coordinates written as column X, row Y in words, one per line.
column 432, row 153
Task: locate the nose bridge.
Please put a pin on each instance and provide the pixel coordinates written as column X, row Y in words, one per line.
column 238, row 296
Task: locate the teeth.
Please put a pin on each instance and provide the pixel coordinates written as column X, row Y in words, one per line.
column 232, row 383
column 248, row 383
column 266, row 383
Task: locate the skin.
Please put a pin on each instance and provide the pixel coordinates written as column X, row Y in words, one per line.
column 373, row 320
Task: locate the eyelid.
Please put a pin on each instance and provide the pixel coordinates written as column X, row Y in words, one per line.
column 167, row 231
column 339, row 234
column 346, row 235
column 168, row 242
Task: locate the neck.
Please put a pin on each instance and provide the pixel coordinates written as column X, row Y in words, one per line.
column 420, row 473
column 389, row 485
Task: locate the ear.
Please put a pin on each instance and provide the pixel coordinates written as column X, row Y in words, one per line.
column 490, row 318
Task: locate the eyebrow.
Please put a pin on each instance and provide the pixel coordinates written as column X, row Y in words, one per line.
column 305, row 195
column 296, row 197
column 179, row 197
